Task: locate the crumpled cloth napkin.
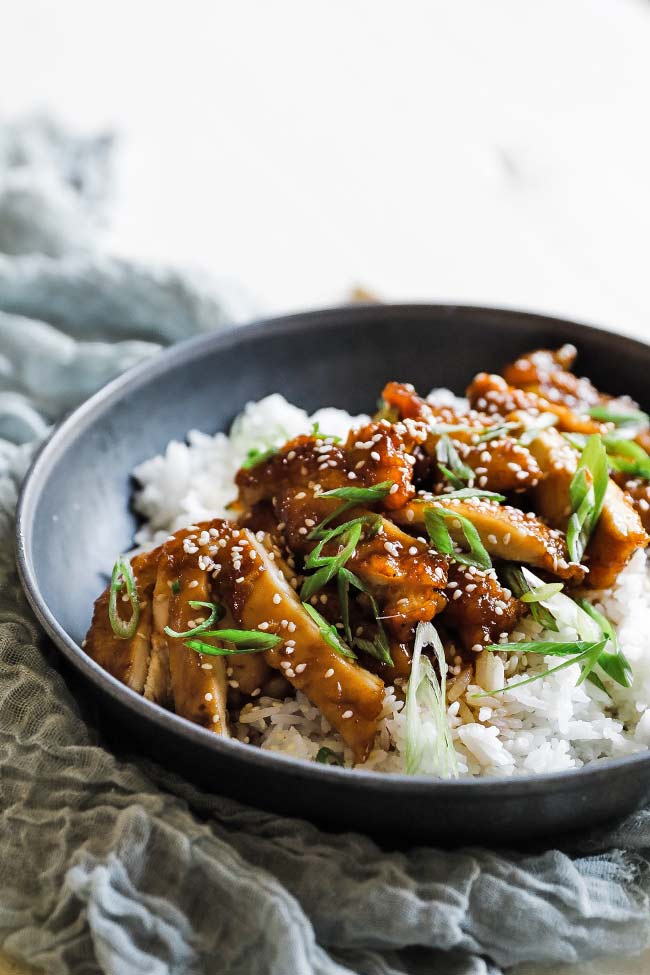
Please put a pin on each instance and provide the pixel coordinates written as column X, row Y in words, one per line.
column 108, row 865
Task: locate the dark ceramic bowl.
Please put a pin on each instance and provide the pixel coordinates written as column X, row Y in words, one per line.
column 74, row 516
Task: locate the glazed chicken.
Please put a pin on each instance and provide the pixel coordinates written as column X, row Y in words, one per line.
column 338, row 550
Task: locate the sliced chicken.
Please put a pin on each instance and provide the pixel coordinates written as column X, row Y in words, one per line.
column 260, row 597
column 619, row 531
column 507, row 533
column 638, row 490
column 197, row 681
column 127, row 660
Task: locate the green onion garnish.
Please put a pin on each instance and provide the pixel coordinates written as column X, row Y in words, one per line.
column 255, row 456
column 590, row 626
column 515, row 579
column 429, row 745
column 123, row 575
column 216, row 613
column 491, row 433
column 317, row 432
column 176, row 586
column 615, row 665
column 586, row 495
column 586, row 654
column 531, row 433
column 329, row 566
column 351, row 496
column 246, row 641
column 377, row 648
column 435, row 520
column 329, row 633
column 326, row 756
column 620, row 417
column 474, row 493
column 627, row 456
column 450, row 464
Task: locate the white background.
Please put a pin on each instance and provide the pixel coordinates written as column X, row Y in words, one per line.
column 490, row 152
column 476, row 151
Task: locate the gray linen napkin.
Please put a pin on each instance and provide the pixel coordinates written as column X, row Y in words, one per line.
column 118, row 866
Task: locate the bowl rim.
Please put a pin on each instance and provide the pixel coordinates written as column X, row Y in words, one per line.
column 179, row 356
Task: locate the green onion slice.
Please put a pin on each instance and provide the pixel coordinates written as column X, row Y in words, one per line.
column 586, row 496
column 586, row 654
column 475, row 493
column 246, row 641
column 435, row 520
column 123, row 575
column 429, row 745
column 329, row 633
column 256, row 456
column 216, row 613
column 351, row 496
column 379, row 647
column 450, row 464
column 606, row 414
column 326, row 756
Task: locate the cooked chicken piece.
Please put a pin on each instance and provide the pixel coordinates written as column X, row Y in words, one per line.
column 638, row 490
column 507, row 533
column 493, row 395
column 619, row 532
column 401, row 572
column 499, row 463
column 547, row 373
column 480, row 609
column 260, row 597
column 198, row 682
column 128, row 660
column 381, row 452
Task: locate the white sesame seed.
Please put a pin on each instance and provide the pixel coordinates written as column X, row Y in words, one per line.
column 206, row 666
column 234, row 684
column 375, row 455
column 413, row 550
column 352, row 476
column 330, row 672
column 394, row 489
column 347, row 714
column 492, row 539
column 291, row 627
column 208, row 696
column 300, row 668
column 277, row 599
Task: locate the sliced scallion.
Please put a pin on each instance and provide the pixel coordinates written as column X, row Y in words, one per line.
column 123, row 576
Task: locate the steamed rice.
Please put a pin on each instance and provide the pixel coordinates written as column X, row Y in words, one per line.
column 550, row 725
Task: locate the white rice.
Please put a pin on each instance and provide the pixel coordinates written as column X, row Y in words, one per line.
column 547, row 726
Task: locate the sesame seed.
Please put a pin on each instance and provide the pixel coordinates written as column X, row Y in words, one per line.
column 394, row 489
column 291, row 627
column 457, row 594
column 239, row 579
column 347, row 714
column 206, row 666
column 277, row 599
column 234, row 684
column 300, row 668
column 492, row 539
column 375, row 455
column 330, row 672
column 256, row 692
column 285, row 664
column 352, row 476
column 410, row 514
column 263, row 626
column 208, row 696
column 413, row 550
column 215, row 719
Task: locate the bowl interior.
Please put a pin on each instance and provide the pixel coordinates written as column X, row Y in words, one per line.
column 80, row 515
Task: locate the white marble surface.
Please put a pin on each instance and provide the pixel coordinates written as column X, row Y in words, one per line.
column 481, row 152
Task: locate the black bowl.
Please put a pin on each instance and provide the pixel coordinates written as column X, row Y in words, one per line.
column 74, row 516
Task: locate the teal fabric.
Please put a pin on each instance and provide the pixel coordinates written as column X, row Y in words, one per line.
column 111, row 864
